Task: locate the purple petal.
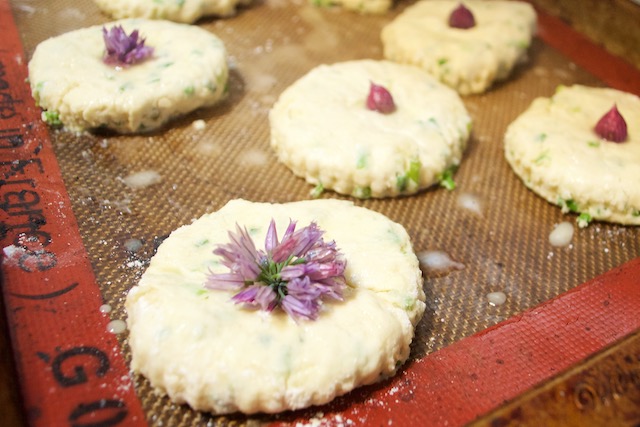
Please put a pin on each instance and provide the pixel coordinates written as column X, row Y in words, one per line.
column 240, row 257
column 271, row 241
column 247, row 269
column 300, row 309
column 305, row 239
column 303, row 289
column 332, row 288
column 282, row 251
column 267, row 298
column 326, row 252
column 247, row 295
column 290, row 229
column 257, row 296
column 313, row 270
column 293, row 271
column 243, row 243
column 224, row 281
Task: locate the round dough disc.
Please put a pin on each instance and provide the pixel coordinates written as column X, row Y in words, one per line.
column 361, row 6
column 553, row 148
column 68, row 77
column 186, row 11
column 468, row 60
column 322, row 130
column 201, row 348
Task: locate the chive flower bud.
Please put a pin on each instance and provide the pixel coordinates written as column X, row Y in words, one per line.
column 122, row 49
column 461, row 18
column 612, row 126
column 295, row 274
column 380, row 99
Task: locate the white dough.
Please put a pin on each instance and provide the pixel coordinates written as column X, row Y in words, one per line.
column 322, row 130
column 468, row 60
column 553, row 148
column 186, row 11
column 361, row 6
column 201, row 348
column 187, row 71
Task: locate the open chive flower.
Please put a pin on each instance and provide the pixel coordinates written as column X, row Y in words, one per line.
column 612, row 126
column 462, row 18
column 122, row 49
column 380, row 99
column 295, row 274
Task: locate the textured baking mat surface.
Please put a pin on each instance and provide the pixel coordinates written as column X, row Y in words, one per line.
column 501, row 238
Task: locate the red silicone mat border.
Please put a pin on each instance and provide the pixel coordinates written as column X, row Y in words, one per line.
column 71, row 370
column 612, row 70
column 74, row 375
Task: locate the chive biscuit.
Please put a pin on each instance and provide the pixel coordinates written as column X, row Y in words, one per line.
column 322, row 129
column 77, row 89
column 361, row 6
column 554, row 149
column 185, row 11
column 468, row 60
column 200, row 348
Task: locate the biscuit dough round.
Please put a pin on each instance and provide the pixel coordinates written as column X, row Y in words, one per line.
column 468, row 60
column 201, row 348
column 68, row 77
column 186, row 11
column 322, row 130
column 361, row 6
column 553, row 148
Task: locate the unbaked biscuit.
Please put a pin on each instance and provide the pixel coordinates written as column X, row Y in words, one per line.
column 323, row 131
column 202, row 349
column 186, row 11
column 362, row 6
column 469, row 60
column 71, row 82
column 554, row 149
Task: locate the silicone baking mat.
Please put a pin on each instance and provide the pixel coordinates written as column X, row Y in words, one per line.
column 83, row 241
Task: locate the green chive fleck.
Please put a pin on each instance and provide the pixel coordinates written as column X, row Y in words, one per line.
column 584, row 219
column 362, row 161
column 542, row 157
column 317, row 190
column 568, row 205
column 362, row 192
column 413, row 174
column 201, row 242
column 52, row 118
column 541, row 137
column 446, row 178
column 125, row 86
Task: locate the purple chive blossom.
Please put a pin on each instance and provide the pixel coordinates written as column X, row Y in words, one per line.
column 461, row 18
column 123, row 49
column 612, row 126
column 380, row 99
column 295, row 274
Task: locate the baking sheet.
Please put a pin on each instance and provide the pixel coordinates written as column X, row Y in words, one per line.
column 503, row 246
